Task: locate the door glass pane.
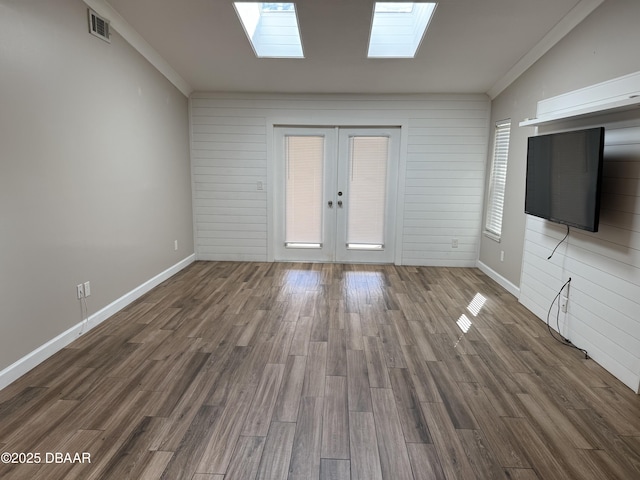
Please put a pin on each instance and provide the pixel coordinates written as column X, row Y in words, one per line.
column 304, row 157
column 368, row 157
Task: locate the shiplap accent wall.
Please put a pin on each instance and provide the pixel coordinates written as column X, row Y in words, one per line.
column 604, row 267
column 441, row 183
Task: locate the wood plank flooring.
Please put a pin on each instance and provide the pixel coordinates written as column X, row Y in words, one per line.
column 322, row 371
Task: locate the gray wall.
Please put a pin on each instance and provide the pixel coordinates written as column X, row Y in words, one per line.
column 94, row 171
column 604, row 46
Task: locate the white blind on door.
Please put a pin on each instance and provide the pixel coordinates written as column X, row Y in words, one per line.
column 304, row 157
column 368, row 158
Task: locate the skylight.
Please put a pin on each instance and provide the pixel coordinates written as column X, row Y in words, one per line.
column 272, row 28
column 397, row 28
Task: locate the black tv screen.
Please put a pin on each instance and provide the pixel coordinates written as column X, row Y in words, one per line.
column 564, row 177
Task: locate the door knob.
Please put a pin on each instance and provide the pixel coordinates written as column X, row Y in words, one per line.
column 330, row 203
column 340, row 203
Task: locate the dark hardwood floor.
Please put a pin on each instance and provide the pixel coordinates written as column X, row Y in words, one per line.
column 310, row 371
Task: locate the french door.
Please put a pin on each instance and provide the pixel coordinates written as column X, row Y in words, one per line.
column 335, row 194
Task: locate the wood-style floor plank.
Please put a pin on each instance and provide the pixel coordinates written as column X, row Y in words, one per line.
column 274, row 464
column 425, row 462
column 278, row 371
column 314, row 377
column 376, row 366
column 335, row 421
column 394, row 458
column 259, row 416
column 365, row 457
column 246, row 458
column 500, row 440
column 453, row 458
column 335, row 469
column 286, row 408
column 222, row 439
column 337, row 353
column 358, row 382
column 184, row 462
column 305, row 457
column 411, row 417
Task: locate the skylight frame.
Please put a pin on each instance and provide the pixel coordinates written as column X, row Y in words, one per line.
column 391, row 7
column 265, row 6
column 397, row 33
column 272, row 33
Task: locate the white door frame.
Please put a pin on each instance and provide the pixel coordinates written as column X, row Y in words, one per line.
column 322, row 119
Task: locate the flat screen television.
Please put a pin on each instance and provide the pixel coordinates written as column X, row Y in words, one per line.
column 564, row 177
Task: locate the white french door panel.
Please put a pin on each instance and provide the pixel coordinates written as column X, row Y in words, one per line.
column 366, row 194
column 335, row 194
column 304, row 225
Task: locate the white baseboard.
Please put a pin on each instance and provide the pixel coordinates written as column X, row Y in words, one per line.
column 499, row 279
column 40, row 354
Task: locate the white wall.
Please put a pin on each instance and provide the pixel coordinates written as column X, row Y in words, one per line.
column 94, row 171
column 442, row 168
column 604, row 267
column 605, row 292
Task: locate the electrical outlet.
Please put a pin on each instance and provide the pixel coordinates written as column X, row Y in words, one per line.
column 87, row 289
column 175, row 245
column 564, row 300
column 454, row 243
column 80, row 291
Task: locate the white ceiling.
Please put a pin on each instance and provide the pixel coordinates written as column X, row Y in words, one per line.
column 472, row 46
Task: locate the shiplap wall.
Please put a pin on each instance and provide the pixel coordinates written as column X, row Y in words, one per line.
column 604, row 267
column 443, row 159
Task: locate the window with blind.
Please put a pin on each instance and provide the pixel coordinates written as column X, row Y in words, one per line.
column 368, row 158
column 498, row 179
column 304, row 158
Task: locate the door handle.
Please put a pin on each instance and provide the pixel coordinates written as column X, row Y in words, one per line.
column 340, row 203
column 330, row 203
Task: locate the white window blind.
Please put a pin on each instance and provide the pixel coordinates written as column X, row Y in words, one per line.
column 304, row 157
column 368, row 158
column 498, row 179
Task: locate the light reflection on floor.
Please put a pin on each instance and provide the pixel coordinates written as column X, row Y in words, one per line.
column 302, row 279
column 464, row 323
column 365, row 282
column 364, row 279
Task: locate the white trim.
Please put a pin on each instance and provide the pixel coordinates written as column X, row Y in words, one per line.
column 400, row 192
column 194, row 223
column 571, row 20
column 40, row 354
column 491, row 235
column 618, row 94
column 503, row 282
column 271, row 189
column 118, row 23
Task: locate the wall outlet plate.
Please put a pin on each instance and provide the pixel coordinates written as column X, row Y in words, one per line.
column 564, row 300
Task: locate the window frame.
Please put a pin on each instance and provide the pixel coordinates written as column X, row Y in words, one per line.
column 497, row 180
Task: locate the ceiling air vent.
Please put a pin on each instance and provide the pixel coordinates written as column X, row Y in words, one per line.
column 98, row 26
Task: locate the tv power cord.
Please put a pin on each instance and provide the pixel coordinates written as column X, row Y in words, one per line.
column 563, row 340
